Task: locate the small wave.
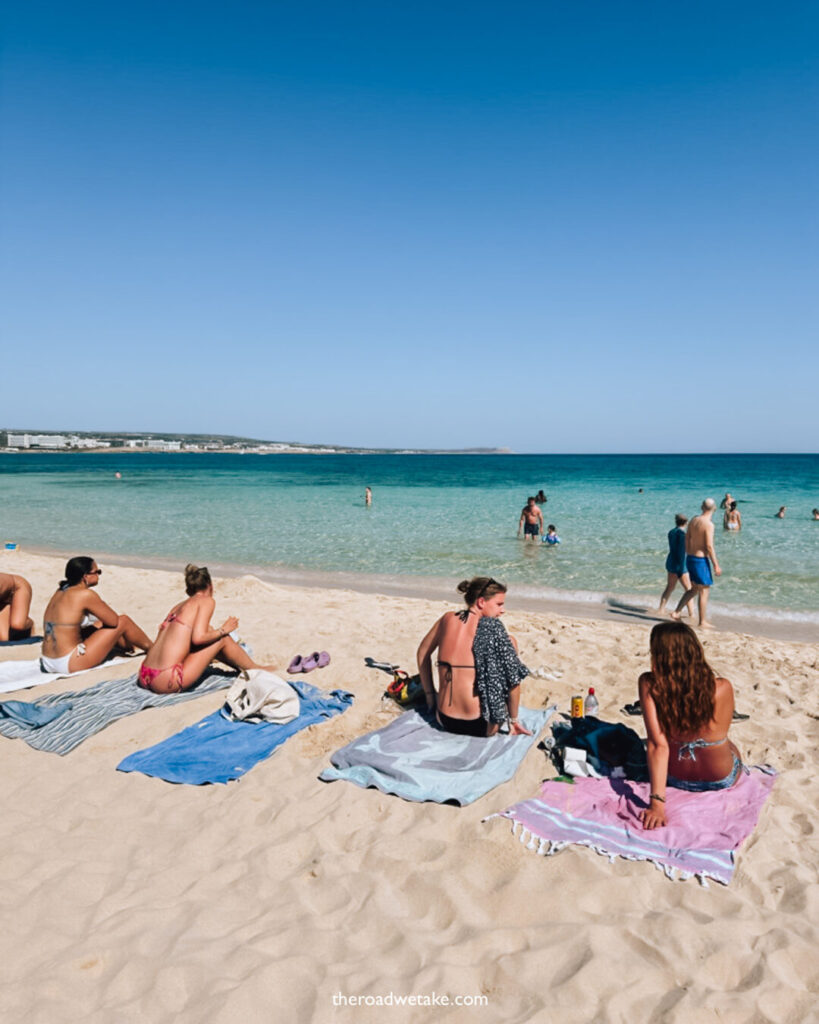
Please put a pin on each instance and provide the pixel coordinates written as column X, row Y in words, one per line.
column 645, row 602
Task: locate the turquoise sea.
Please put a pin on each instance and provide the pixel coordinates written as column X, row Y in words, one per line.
column 433, row 516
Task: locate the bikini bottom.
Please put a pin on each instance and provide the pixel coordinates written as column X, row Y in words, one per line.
column 462, row 726
column 699, row 786
column 147, row 677
column 60, row 665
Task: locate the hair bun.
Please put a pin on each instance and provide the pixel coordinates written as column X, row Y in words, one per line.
column 196, row 578
column 463, row 586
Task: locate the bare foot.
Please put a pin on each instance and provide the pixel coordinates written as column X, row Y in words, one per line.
column 705, row 625
column 675, row 616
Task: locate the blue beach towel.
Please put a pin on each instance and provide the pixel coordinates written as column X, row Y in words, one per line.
column 217, row 749
column 19, row 643
column 27, row 714
column 414, row 758
column 85, row 712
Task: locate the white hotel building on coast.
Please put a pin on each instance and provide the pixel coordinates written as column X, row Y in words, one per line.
column 62, row 442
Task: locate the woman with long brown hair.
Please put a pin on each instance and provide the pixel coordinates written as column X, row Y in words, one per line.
column 687, row 711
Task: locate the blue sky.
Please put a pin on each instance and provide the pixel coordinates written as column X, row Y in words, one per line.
column 548, row 226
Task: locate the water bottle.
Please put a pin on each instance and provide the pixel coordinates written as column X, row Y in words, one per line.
column 591, row 707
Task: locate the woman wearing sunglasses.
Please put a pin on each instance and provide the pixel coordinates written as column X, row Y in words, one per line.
column 79, row 629
column 479, row 672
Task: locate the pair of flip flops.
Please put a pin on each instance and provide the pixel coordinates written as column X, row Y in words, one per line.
column 318, row 659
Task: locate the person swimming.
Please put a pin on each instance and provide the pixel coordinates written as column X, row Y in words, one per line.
column 687, row 711
column 187, row 643
column 479, row 671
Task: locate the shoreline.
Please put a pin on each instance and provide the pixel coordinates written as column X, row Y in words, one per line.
column 179, row 902
column 610, row 610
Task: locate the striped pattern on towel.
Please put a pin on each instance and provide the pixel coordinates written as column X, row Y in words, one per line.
column 90, row 711
column 703, row 832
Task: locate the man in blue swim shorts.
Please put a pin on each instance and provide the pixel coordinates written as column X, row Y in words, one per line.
column 699, row 557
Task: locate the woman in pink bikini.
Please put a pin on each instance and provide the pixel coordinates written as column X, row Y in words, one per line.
column 187, row 643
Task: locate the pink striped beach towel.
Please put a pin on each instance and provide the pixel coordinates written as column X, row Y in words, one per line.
column 704, row 830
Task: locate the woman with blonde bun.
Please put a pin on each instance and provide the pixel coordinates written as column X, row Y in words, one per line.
column 187, row 643
column 479, row 672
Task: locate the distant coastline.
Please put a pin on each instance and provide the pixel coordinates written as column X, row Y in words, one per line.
column 103, row 442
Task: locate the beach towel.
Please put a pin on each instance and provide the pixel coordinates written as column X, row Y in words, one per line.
column 26, row 713
column 20, row 642
column 704, row 830
column 218, row 749
column 89, row 711
column 21, row 675
column 414, row 758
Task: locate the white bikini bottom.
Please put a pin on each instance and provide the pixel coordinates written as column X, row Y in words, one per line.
column 60, row 665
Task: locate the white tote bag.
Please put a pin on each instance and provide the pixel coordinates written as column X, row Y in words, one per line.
column 262, row 697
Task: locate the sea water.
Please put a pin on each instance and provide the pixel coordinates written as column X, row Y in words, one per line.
column 433, row 516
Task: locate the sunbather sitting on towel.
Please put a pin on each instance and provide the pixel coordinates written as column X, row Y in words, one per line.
column 687, row 712
column 479, row 671
column 15, row 602
column 80, row 630
column 187, row 643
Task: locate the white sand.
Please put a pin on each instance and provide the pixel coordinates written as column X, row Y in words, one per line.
column 128, row 899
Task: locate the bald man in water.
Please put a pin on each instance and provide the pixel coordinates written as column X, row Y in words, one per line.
column 699, row 557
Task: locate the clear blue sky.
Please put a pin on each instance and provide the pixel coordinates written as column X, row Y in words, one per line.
column 547, row 226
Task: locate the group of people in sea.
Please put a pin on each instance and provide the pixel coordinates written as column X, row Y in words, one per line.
column 531, row 521
column 687, row 709
column 80, row 630
column 692, row 561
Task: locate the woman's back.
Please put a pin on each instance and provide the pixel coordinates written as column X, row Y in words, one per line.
column 704, row 753
column 174, row 639
column 456, row 665
column 62, row 620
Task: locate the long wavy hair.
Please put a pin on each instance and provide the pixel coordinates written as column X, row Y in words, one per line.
column 683, row 684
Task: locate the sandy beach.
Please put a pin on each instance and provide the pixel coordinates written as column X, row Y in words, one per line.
column 129, row 899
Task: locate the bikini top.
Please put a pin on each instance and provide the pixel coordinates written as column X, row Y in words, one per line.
column 49, row 627
column 687, row 750
column 173, row 617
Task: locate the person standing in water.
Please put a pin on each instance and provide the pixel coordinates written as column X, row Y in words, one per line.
column 699, row 557
column 531, row 520
column 732, row 520
column 368, row 496
column 675, row 562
